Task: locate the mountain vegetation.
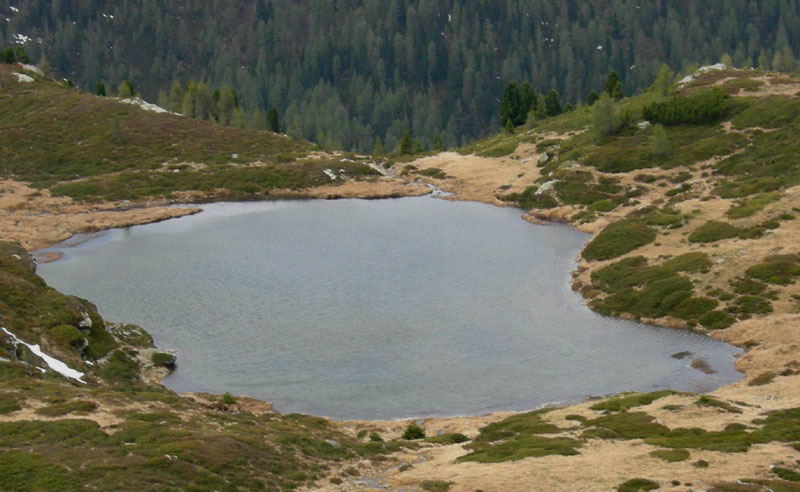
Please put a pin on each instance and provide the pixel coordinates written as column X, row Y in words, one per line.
column 357, row 74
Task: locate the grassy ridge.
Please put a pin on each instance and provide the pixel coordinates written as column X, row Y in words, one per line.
column 91, row 148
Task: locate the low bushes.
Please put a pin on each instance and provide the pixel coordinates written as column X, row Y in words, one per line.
column 637, row 484
column 703, row 107
column 780, row 270
column 617, row 239
column 671, row 455
column 713, row 231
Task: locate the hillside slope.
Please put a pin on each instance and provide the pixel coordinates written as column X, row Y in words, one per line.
column 701, row 236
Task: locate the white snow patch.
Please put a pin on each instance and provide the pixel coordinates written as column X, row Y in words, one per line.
column 51, row 362
column 717, row 67
column 345, row 159
column 22, row 78
column 33, row 69
column 21, row 38
column 329, row 173
column 14, row 9
column 643, row 124
column 136, row 101
column 599, row 47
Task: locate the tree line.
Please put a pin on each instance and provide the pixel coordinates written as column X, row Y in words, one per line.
column 352, row 72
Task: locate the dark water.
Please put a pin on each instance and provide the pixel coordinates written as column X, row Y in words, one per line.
column 375, row 309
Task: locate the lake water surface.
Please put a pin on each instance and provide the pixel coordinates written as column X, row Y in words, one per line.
column 375, row 309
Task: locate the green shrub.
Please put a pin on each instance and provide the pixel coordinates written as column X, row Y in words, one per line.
column 754, row 205
column 746, row 286
column 163, row 359
column 435, row 485
column 625, row 401
column 762, row 379
column 780, row 270
column 786, row 474
column 447, row 439
column 8, row 403
column 433, row 172
column 605, row 205
column 529, row 199
column 66, row 336
column 713, row 231
column 707, row 401
column 59, row 409
column 227, row 399
column 637, row 484
column 119, row 368
column 413, row 431
column 716, row 320
column 694, row 308
column 700, row 464
column 671, row 455
column 702, row 107
column 375, row 437
column 25, row 472
column 617, row 239
column 657, row 299
column 752, row 305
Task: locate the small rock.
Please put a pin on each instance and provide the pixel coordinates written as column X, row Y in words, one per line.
column 333, row 443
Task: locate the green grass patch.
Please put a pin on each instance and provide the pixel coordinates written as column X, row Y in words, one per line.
column 501, row 149
column 751, row 305
column 530, row 199
column 786, row 474
column 716, row 320
column 8, row 403
column 627, row 401
column 746, row 208
column 713, row 231
column 435, row 485
column 26, row 472
column 780, row 270
column 617, row 239
column 446, row 439
column 637, row 485
column 707, row 401
column 59, row 409
column 518, row 437
column 770, row 112
column 671, row 455
column 747, row 286
column 433, row 172
column 762, row 379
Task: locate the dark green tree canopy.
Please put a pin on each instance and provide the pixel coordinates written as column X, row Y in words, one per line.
column 354, row 71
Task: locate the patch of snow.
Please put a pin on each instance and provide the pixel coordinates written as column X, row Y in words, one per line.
column 234, row 156
column 136, row 101
column 599, row 47
column 22, row 78
column 345, row 159
column 14, row 9
column 33, row 69
column 21, row 38
column 546, row 187
column 329, row 173
column 51, row 362
column 643, row 124
column 3, row 359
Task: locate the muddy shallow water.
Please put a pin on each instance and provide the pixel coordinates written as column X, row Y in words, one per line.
column 375, row 309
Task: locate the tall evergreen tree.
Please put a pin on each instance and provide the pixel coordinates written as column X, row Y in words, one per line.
column 272, row 120
column 552, row 104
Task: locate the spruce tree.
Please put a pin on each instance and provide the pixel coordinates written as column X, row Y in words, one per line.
column 100, row 89
column 592, row 98
column 614, row 86
column 272, row 120
column 406, row 146
column 511, row 106
column 551, row 103
column 21, row 56
column 8, row 55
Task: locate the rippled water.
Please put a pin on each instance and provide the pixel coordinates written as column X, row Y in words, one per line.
column 375, row 309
